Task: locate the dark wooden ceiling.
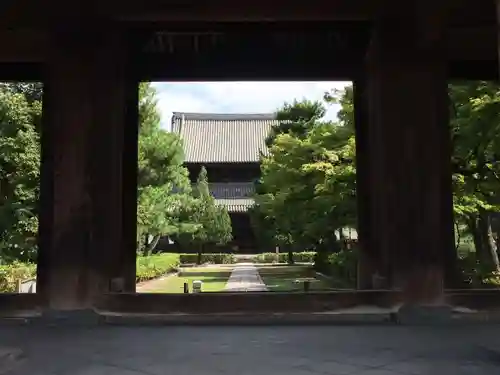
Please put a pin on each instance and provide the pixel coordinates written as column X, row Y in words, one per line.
column 210, row 29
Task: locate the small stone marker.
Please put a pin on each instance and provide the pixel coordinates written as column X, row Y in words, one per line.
column 306, row 283
column 197, row 284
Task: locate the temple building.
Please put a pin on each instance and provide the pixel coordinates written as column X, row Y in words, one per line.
column 229, row 146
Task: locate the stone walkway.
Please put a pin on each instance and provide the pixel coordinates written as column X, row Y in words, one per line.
column 245, row 278
column 299, row 350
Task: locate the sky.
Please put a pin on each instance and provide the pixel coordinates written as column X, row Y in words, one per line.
column 237, row 97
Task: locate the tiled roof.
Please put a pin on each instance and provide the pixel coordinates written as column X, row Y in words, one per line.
column 236, row 205
column 223, row 138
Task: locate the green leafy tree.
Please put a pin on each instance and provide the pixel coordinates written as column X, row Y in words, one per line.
column 164, row 199
column 307, row 188
column 214, row 221
column 19, row 174
column 475, row 125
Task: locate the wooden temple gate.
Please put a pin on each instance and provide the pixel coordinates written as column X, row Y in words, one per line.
column 91, row 56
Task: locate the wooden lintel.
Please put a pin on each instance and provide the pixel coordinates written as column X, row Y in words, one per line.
column 22, row 46
column 46, row 12
column 472, row 43
column 469, row 48
column 237, row 11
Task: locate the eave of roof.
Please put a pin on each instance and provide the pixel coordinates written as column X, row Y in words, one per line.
column 236, row 205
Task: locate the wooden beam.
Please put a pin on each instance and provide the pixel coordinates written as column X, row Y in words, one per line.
column 469, row 48
column 237, row 11
column 46, row 12
column 472, row 43
column 22, row 46
column 22, row 13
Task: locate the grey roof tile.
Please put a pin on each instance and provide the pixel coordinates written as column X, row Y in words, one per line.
column 223, row 138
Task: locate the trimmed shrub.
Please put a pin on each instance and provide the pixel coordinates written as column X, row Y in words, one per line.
column 302, row 257
column 341, row 266
column 11, row 273
column 208, row 258
column 271, row 258
column 154, row 266
column 474, row 275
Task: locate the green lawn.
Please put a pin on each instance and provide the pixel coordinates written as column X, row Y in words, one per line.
column 282, row 278
column 214, row 280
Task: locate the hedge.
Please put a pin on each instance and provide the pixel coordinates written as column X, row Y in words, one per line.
column 148, row 268
column 11, row 273
column 341, row 266
column 155, row 266
column 208, row 258
column 302, row 257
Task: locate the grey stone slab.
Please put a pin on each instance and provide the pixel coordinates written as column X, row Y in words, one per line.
column 245, row 278
column 103, row 369
column 418, row 315
column 431, row 367
column 10, row 358
column 377, row 371
column 297, row 350
column 329, row 367
column 87, row 317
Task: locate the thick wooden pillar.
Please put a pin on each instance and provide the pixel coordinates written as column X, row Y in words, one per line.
column 129, row 186
column 411, row 205
column 498, row 34
column 85, row 110
column 369, row 256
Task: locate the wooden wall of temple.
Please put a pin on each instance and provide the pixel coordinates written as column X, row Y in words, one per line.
column 234, row 172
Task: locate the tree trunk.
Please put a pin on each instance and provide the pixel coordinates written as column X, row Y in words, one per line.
column 476, row 236
column 290, row 256
column 145, row 246
column 341, row 238
column 495, row 227
column 150, row 246
column 488, row 256
column 458, row 237
column 200, row 251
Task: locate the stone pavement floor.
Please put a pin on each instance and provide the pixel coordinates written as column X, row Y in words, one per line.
column 245, row 278
column 250, row 350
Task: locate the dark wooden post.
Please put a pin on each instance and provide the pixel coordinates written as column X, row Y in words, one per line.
column 368, row 255
column 81, row 227
column 129, row 197
column 410, row 151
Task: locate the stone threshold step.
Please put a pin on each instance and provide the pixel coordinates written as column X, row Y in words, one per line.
column 357, row 316
column 245, row 319
column 320, row 318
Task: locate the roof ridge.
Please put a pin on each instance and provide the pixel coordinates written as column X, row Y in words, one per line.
column 223, row 116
